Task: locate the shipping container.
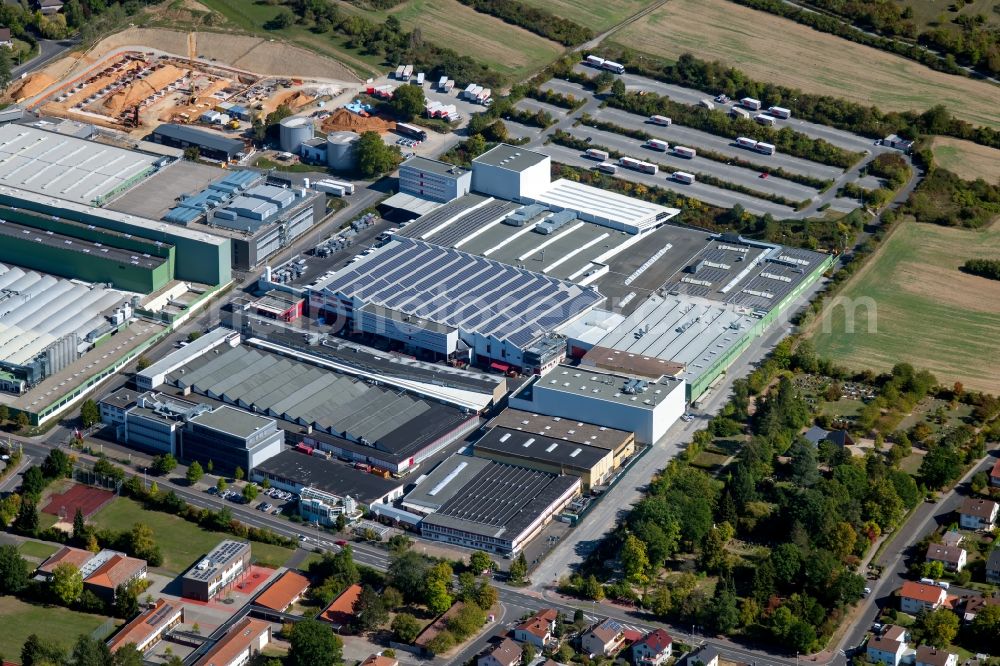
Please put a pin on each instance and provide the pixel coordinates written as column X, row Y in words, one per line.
column 607, row 167
column 745, row 142
column 613, row 67
column 595, row 154
column 765, row 148
column 657, row 144
column 750, row 103
column 764, row 119
column 329, row 188
column 684, row 151
column 683, row 177
column 660, row 120
column 707, row 103
column 780, row 112
column 638, row 165
column 595, row 61
column 302, row 448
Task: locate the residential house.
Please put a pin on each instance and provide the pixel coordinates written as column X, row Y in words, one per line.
column 538, row 628
column 652, row 650
column 839, row 438
column 971, row 605
column 993, row 566
column 890, row 647
column 952, row 557
column 915, row 597
column 929, row 656
column 604, row 638
column 706, row 656
column 978, row 514
column 995, row 475
column 504, row 653
column 5, row 39
column 341, row 610
column 380, row 660
column 953, row 538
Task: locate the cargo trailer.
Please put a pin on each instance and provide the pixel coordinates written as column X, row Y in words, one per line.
column 638, row 165
column 684, row 151
column 595, row 61
column 707, row 103
column 765, row 148
column 683, row 177
column 595, row 154
column 746, row 142
column 420, row 79
column 780, row 112
column 660, row 120
column 765, row 120
column 657, row 144
column 737, row 112
column 750, row 103
column 607, row 167
column 442, row 82
column 615, row 67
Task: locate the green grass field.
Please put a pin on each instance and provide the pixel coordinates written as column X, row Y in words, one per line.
column 38, row 550
column 924, row 310
column 598, row 16
column 57, row 625
column 182, row 542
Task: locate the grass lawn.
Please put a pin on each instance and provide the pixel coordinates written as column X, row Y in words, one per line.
column 182, row 542
column 966, row 159
column 598, row 16
column 38, row 550
column 56, row 624
column 811, row 61
column 912, row 304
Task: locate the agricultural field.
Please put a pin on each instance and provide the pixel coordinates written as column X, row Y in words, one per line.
column 598, row 16
column 808, row 60
column 928, row 13
column 923, row 309
column 506, row 48
column 965, row 159
column 58, row 625
column 182, row 542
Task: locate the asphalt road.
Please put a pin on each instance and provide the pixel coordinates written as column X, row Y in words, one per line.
column 48, row 50
column 688, row 136
column 733, row 174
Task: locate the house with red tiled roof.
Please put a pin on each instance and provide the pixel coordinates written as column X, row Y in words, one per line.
column 952, row 557
column 915, row 597
column 283, row 592
column 341, row 610
column 239, row 645
column 538, row 628
column 146, row 629
column 995, row 475
column 978, row 514
column 380, row 660
column 653, row 650
column 102, row 573
column 65, row 555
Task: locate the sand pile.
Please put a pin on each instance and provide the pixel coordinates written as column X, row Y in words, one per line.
column 30, row 86
column 342, row 120
column 131, row 95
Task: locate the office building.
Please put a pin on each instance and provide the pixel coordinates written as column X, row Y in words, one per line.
column 215, row 573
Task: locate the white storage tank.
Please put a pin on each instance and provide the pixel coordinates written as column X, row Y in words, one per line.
column 340, row 150
column 293, row 132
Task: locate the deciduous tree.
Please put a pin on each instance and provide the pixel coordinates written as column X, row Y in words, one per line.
column 67, row 583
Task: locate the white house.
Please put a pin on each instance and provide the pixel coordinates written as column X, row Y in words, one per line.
column 915, row 597
column 603, row 639
column 928, row 656
column 538, row 628
column 978, row 514
column 890, row 647
column 952, row 557
column 654, row 649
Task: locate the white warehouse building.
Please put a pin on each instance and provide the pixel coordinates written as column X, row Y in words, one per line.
column 647, row 407
column 511, row 172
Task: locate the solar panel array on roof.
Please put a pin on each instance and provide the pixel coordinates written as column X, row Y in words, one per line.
column 468, row 292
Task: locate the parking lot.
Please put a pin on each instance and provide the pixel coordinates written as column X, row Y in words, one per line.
column 534, row 106
column 269, row 500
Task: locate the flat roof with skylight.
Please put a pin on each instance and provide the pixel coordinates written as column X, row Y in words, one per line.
column 513, row 158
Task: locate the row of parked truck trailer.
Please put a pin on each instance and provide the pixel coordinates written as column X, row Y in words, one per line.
column 601, row 63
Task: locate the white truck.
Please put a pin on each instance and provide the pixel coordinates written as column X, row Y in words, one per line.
column 684, row 151
column 615, row 67
column 607, row 167
column 660, row 120
column 780, row 112
column 684, row 177
column 407, row 71
column 467, row 93
column 484, row 95
column 638, row 165
column 764, row 148
column 442, row 82
column 331, row 186
column 595, row 61
column 595, row 154
column 707, row 103
column 737, row 112
column 750, row 103
column 765, row 120
column 746, row 142
column 399, row 71
column 420, row 79
column 657, row 144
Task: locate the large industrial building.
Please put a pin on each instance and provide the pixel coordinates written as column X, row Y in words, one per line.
column 353, row 416
column 591, row 463
column 210, row 145
column 489, row 505
column 621, row 443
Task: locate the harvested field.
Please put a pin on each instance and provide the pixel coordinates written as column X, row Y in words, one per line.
column 811, row 61
column 344, row 120
column 924, row 310
column 254, row 54
column 506, row 48
column 86, row 498
column 597, row 16
column 966, row 159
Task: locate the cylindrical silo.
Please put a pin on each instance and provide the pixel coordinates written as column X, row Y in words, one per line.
column 293, row 131
column 340, row 150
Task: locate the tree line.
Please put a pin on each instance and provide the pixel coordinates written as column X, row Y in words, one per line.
column 987, row 268
column 534, row 19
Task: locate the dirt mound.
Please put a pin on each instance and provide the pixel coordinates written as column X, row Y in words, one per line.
column 296, row 100
column 342, row 120
column 131, row 95
column 30, row 86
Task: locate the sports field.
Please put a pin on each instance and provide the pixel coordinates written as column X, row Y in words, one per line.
column 776, row 50
column 598, row 16
column 182, row 542
column 506, row 48
column 53, row 623
column 925, row 311
column 965, row 159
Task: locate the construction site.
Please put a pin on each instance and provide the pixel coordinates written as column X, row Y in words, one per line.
column 136, row 91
